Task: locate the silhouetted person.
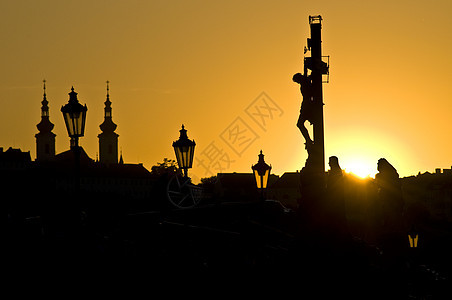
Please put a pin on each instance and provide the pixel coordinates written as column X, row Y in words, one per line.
column 336, row 198
column 389, row 196
column 307, row 106
column 335, row 174
column 391, row 238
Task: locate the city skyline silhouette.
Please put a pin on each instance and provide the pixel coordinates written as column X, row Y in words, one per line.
column 368, row 116
column 343, row 211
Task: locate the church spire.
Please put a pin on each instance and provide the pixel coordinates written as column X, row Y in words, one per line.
column 45, row 139
column 108, row 102
column 45, row 125
column 121, row 160
column 108, row 125
column 108, row 139
column 44, row 102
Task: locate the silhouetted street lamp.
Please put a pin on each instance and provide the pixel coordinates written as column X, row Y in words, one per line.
column 185, row 150
column 74, row 115
column 261, row 172
column 413, row 238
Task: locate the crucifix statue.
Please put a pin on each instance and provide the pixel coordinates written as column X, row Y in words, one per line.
column 312, row 105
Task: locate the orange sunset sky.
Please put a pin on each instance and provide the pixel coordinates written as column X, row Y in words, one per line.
column 210, row 64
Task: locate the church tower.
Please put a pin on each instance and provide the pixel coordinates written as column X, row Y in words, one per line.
column 108, row 139
column 45, row 139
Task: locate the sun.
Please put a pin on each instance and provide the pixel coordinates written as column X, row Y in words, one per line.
column 359, row 167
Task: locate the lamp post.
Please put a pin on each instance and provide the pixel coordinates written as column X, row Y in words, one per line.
column 185, row 150
column 261, row 172
column 412, row 255
column 74, row 115
column 413, row 238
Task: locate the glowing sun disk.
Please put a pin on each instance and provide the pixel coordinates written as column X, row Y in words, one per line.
column 360, row 168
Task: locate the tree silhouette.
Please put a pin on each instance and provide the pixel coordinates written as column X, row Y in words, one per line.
column 168, row 167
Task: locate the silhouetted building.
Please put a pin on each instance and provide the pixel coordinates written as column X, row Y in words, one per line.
column 238, row 187
column 45, row 139
column 14, row 159
column 447, row 171
column 101, row 184
column 15, row 181
column 429, row 194
column 97, row 181
column 108, row 139
column 286, row 189
column 67, row 158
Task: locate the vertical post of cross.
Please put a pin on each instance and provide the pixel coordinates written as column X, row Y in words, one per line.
column 318, row 68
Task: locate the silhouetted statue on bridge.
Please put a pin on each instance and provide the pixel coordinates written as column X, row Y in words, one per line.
column 389, row 196
column 307, row 106
column 311, row 81
column 385, row 214
column 312, row 175
column 335, row 199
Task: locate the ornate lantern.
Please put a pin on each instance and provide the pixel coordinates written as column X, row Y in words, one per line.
column 74, row 115
column 261, row 172
column 185, row 150
column 413, row 238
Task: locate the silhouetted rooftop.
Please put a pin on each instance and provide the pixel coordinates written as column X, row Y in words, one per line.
column 236, row 180
column 67, row 157
column 242, row 180
column 119, row 170
column 14, row 155
column 287, row 180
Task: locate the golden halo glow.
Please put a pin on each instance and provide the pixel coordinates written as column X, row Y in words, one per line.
column 360, row 167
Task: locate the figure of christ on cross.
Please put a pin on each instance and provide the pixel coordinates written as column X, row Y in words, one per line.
column 307, row 106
